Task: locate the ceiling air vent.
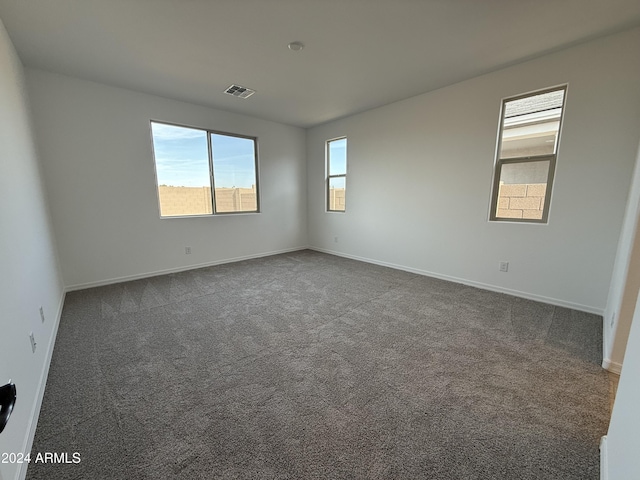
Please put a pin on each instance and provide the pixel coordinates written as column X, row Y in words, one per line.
column 238, row 91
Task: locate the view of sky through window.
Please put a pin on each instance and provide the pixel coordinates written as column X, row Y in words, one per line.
column 181, row 155
column 233, row 161
column 338, row 157
column 182, row 158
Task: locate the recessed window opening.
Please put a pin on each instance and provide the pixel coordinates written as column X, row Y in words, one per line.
column 336, row 152
column 527, row 150
column 202, row 172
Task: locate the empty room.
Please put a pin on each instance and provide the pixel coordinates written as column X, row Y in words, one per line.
column 319, row 239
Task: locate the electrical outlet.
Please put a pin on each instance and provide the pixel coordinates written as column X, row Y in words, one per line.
column 32, row 339
column 42, row 314
column 335, row 239
column 503, row 266
column 187, row 250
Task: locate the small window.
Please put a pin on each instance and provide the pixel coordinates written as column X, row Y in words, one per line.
column 192, row 163
column 336, row 174
column 526, row 158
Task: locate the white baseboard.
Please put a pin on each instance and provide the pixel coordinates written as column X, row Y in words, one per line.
column 471, row 283
column 484, row 286
column 35, row 413
column 613, row 367
column 183, row 268
column 604, row 459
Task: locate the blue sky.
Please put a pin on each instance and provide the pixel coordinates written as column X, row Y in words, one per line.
column 182, row 158
column 338, row 157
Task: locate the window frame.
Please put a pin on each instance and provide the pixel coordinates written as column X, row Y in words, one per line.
column 209, row 133
column 329, row 176
column 551, row 158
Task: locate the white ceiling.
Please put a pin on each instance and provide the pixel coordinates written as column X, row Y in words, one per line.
column 358, row 54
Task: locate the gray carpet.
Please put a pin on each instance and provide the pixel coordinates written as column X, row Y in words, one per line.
column 310, row 366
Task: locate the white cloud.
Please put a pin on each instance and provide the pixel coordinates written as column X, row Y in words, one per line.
column 163, row 131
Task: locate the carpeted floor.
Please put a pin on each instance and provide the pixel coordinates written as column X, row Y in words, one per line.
column 311, row 366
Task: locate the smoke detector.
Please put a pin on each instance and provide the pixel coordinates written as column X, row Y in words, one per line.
column 296, row 46
column 239, row 91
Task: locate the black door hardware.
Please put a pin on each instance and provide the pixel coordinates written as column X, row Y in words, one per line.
column 7, row 401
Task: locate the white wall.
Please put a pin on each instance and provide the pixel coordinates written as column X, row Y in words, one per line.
column 625, row 281
column 29, row 275
column 99, row 174
column 622, row 443
column 420, row 174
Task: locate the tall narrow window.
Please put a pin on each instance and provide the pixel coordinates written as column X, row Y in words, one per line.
column 526, row 159
column 200, row 172
column 336, row 174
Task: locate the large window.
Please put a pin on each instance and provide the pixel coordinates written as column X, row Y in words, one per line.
column 526, row 158
column 201, row 172
column 336, row 174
